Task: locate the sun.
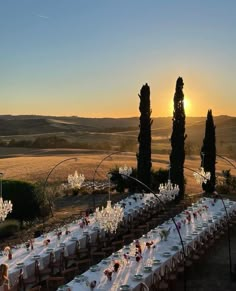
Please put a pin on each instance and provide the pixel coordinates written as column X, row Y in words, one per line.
column 187, row 105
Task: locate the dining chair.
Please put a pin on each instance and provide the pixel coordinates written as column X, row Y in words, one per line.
column 117, row 244
column 83, row 265
column 52, row 283
column 155, row 282
column 164, row 282
column 69, row 274
column 36, row 288
column 98, row 256
column 143, row 287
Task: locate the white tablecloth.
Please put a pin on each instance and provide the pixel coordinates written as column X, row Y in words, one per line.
column 211, row 214
column 133, row 205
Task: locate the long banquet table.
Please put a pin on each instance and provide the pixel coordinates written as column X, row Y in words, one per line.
column 204, row 216
column 25, row 259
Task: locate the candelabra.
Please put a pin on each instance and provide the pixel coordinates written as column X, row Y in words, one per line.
column 126, row 171
column 168, row 190
column 5, row 205
column 201, row 176
column 109, row 218
column 75, row 181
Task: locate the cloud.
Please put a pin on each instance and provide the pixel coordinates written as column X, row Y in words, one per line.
column 42, row 16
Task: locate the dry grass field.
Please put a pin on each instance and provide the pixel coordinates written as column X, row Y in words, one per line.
column 34, row 165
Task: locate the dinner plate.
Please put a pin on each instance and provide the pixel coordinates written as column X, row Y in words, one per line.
column 80, row 278
column 188, row 237
column 156, row 262
column 194, row 233
column 74, row 238
column 166, row 254
column 138, row 276
column 116, row 255
column 105, row 262
column 20, row 265
column 125, row 287
column 63, row 287
column 126, row 247
column 198, row 228
column 94, row 268
column 147, row 268
column 36, row 257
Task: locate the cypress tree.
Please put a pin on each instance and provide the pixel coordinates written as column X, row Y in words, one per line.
column 144, row 163
column 177, row 156
column 208, row 153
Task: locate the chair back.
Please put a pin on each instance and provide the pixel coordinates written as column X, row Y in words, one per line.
column 144, row 287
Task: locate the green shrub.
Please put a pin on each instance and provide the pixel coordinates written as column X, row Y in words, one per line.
column 25, row 199
column 9, row 227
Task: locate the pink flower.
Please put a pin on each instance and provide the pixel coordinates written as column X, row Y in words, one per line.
column 108, row 273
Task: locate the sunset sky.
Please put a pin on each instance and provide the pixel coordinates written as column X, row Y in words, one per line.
column 91, row 57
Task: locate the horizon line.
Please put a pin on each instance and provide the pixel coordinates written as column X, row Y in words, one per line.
column 109, row 117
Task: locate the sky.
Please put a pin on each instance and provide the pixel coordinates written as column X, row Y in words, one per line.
column 90, row 58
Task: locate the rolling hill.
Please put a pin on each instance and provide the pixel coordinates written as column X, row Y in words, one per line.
column 80, row 131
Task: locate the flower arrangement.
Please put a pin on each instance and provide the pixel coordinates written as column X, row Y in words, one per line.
column 59, row 233
column 127, row 257
column 108, row 273
column 164, row 233
column 67, row 231
column 149, row 244
column 27, row 245
column 138, row 246
column 46, row 242
column 116, row 266
column 205, row 207
column 93, row 284
column 138, row 257
column 31, row 242
column 7, row 249
column 8, row 252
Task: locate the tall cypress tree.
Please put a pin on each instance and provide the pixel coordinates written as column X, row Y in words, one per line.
column 208, row 153
column 177, row 156
column 144, row 163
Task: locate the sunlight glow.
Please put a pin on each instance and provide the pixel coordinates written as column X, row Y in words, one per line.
column 187, row 106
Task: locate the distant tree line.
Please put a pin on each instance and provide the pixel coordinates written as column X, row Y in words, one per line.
column 124, row 144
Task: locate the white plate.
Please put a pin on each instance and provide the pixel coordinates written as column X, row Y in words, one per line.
column 94, row 268
column 156, row 262
column 125, row 287
column 138, row 277
column 166, row 254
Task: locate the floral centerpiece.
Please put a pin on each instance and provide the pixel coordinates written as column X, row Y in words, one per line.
column 138, row 246
column 138, row 257
column 7, row 250
column 67, row 231
column 116, row 266
column 127, row 257
column 149, row 244
column 108, row 273
column 46, row 242
column 27, row 245
column 59, row 233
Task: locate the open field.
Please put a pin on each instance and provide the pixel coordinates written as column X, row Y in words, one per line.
column 34, row 165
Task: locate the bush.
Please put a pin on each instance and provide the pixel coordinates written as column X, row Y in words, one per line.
column 25, row 199
column 9, row 227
